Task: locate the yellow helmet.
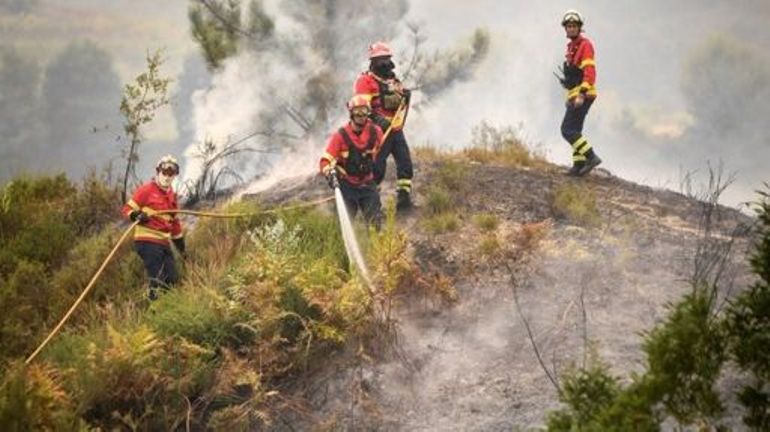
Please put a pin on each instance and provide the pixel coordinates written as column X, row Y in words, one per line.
column 572, row 16
column 359, row 101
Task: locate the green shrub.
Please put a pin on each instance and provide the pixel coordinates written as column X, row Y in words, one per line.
column 199, row 315
column 23, row 308
column 32, row 398
column 685, row 354
column 489, row 245
column 451, row 176
column 441, row 223
column 486, row 222
column 577, row 203
column 438, row 200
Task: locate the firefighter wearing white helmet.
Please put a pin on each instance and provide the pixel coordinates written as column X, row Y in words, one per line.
column 155, row 232
column 348, row 162
column 580, row 82
column 390, row 104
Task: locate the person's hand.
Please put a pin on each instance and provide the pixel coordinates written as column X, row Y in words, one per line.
column 579, row 99
column 331, row 178
column 139, row 216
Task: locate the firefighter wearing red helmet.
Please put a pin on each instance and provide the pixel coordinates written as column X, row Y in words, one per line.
column 348, row 162
column 580, row 82
column 390, row 102
column 155, row 232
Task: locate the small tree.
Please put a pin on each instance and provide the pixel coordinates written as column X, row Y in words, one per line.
column 139, row 104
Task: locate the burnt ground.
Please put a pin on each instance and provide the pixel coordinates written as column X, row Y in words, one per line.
column 471, row 366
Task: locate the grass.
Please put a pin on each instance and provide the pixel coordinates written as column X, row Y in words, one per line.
column 501, row 146
column 489, row 245
column 486, row 222
column 441, row 223
column 576, row 203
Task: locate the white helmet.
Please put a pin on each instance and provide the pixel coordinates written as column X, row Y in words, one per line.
column 572, row 16
column 166, row 162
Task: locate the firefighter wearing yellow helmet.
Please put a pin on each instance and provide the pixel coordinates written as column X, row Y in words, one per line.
column 348, row 162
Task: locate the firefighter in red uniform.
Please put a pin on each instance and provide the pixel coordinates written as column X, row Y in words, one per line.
column 388, row 98
column 579, row 80
column 155, row 232
column 349, row 161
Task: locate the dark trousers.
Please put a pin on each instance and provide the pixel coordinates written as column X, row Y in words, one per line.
column 365, row 198
column 159, row 263
column 572, row 130
column 395, row 144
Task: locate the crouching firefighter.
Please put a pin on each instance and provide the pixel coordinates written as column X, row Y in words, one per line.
column 155, row 233
column 390, row 104
column 579, row 80
column 348, row 162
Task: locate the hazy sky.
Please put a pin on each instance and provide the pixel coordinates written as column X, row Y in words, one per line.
column 641, row 124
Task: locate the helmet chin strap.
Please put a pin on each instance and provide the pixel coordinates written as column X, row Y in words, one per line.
column 164, row 181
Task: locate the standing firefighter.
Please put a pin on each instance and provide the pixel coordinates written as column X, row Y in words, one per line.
column 155, row 232
column 389, row 102
column 579, row 80
column 349, row 161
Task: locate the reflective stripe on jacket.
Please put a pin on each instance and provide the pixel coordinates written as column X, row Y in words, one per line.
column 151, row 198
column 580, row 52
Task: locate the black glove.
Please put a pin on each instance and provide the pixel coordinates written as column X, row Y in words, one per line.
column 180, row 246
column 140, row 216
column 331, row 178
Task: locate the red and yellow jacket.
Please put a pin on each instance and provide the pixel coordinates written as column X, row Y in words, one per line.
column 375, row 89
column 151, row 198
column 337, row 153
column 580, row 53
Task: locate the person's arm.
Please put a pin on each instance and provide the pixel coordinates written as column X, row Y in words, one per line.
column 328, row 163
column 132, row 210
column 588, row 66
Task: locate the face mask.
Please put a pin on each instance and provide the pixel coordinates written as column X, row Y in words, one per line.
column 164, row 181
column 384, row 68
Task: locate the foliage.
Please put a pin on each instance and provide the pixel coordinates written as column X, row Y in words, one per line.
column 441, row 223
column 486, row 222
column 577, row 203
column 32, row 398
column 748, row 327
column 140, row 102
column 501, row 145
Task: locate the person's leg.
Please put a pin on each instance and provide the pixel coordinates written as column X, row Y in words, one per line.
column 404, row 170
column 168, row 274
column 381, row 162
column 350, row 197
column 153, row 258
column 371, row 206
column 572, row 131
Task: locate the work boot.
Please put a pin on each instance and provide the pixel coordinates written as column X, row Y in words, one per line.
column 592, row 162
column 575, row 170
column 403, row 200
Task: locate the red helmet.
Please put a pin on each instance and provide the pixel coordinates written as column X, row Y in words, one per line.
column 358, row 101
column 380, row 49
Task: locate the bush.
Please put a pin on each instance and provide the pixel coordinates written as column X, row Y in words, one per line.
column 586, row 392
column 489, row 245
column 32, row 398
column 577, row 203
column 502, row 146
column 442, row 223
column 486, row 222
column 438, row 200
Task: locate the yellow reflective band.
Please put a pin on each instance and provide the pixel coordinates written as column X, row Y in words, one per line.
column 579, row 158
column 154, row 213
column 133, row 204
column 578, row 143
column 587, row 62
column 404, row 182
column 328, row 157
column 144, row 232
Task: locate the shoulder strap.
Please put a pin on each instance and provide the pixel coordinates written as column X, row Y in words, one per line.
column 346, row 138
column 372, row 138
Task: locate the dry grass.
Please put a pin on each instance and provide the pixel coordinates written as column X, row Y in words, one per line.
column 486, row 222
column 501, row 146
column 576, row 203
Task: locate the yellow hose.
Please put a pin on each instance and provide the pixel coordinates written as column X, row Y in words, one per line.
column 125, row 236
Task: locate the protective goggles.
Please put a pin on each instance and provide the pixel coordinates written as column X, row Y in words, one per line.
column 359, row 112
column 169, row 169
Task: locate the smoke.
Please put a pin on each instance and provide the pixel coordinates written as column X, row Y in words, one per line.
column 646, row 124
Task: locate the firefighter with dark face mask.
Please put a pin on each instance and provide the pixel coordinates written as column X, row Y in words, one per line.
column 155, row 232
column 579, row 80
column 348, row 162
column 390, row 103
